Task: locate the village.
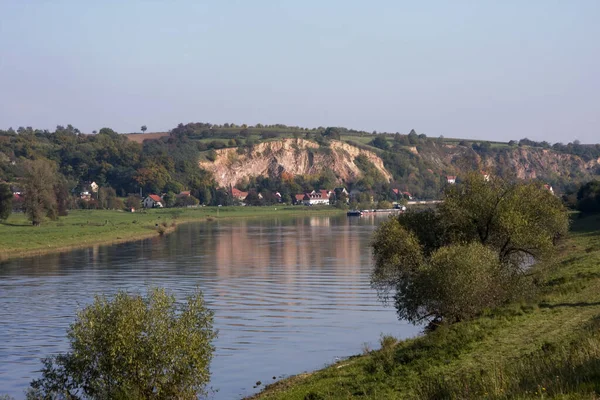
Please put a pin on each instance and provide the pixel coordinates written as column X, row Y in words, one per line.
column 87, row 195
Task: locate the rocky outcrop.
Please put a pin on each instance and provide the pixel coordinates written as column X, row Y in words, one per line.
column 291, row 156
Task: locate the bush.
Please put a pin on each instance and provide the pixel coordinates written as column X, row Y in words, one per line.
column 133, row 347
column 469, row 255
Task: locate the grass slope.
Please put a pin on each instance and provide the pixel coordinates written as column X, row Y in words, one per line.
column 82, row 228
column 548, row 347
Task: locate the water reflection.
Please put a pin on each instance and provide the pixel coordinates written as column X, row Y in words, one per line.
column 289, row 295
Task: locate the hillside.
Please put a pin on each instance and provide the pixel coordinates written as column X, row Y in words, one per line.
column 414, row 162
column 206, row 158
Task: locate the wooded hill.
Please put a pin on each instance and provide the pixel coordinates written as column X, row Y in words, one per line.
column 181, row 159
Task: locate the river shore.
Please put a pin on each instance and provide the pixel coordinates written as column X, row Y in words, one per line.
column 85, row 228
column 546, row 346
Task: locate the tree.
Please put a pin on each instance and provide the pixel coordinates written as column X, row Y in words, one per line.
column 170, row 198
column 63, row 196
column 381, row 143
column 588, row 197
column 6, row 201
column 144, row 128
column 186, row 201
column 40, row 198
column 476, row 245
column 134, row 347
column 133, row 201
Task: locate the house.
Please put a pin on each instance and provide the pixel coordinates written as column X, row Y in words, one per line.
column 238, row 194
column 451, row 179
column 549, row 188
column 320, row 197
column 316, row 197
column 184, row 194
column 486, row 176
column 153, row 201
column 85, row 195
column 277, row 195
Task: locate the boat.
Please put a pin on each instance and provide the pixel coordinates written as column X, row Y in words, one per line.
column 354, row 213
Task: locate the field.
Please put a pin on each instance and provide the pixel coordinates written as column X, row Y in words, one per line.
column 544, row 347
column 82, row 228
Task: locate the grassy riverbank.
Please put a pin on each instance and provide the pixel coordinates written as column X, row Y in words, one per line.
column 82, row 228
column 547, row 347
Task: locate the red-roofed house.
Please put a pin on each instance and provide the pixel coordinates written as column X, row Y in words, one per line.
column 549, row 188
column 451, row 179
column 238, row 194
column 153, row 201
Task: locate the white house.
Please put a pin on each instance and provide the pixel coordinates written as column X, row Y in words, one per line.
column 451, row 179
column 153, row 201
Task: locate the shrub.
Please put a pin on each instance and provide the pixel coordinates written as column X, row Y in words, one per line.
column 133, row 347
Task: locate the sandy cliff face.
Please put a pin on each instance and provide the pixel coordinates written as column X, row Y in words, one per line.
column 293, row 156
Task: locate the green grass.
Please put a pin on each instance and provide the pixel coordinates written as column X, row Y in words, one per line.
column 82, row 228
column 545, row 347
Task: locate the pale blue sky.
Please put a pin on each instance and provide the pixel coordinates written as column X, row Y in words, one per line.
column 476, row 69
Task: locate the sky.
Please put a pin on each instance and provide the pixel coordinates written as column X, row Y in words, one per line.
column 480, row 69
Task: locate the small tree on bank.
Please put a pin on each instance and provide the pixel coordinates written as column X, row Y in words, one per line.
column 6, row 201
column 40, row 197
column 133, row 347
column 471, row 253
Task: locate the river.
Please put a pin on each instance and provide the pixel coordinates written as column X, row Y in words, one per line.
column 289, row 294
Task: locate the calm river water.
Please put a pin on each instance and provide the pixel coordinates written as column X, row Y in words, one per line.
column 289, row 295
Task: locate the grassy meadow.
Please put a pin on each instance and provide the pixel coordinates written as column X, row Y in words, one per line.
column 545, row 347
column 82, row 228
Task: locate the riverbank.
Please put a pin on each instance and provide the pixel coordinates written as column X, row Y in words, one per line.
column 84, row 228
column 546, row 347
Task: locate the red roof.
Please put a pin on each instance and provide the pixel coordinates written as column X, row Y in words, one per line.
column 299, row 197
column 324, row 193
column 155, row 198
column 238, row 193
column 184, row 194
column 396, row 191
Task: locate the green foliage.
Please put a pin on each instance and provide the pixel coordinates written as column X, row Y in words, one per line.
column 6, row 199
column 384, row 205
column 380, row 142
column 170, row 198
column 516, row 219
column 186, row 201
column 588, row 197
column 459, row 282
column 472, row 253
column 133, row 201
column 133, row 347
column 40, row 199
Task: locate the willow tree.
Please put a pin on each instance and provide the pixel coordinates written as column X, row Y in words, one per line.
column 473, row 252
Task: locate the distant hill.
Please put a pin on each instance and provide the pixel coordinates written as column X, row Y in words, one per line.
column 203, row 157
